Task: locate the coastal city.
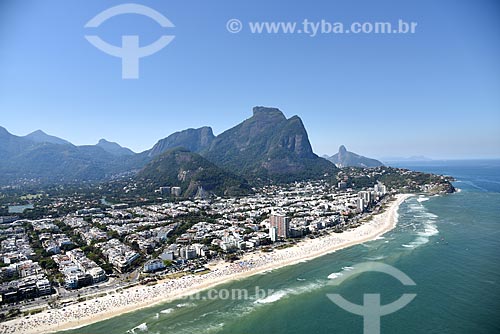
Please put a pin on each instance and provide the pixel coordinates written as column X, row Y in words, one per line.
column 51, row 263
column 249, row 167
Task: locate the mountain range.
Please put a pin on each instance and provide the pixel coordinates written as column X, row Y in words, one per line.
column 114, row 148
column 265, row 147
column 49, row 159
column 39, row 136
column 344, row 158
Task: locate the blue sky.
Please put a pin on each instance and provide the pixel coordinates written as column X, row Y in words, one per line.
column 433, row 93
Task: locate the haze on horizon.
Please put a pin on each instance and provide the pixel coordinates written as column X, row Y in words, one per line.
column 433, row 93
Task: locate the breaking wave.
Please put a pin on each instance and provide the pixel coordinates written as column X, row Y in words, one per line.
column 167, row 311
column 340, row 273
column 425, row 225
column 280, row 294
column 141, row 328
column 271, row 298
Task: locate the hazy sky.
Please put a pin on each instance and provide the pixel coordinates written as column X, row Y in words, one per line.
column 433, row 93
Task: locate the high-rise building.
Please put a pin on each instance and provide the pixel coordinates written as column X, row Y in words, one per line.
column 281, row 223
column 366, row 196
column 273, row 234
column 360, row 203
column 380, row 188
column 175, row 191
column 165, row 190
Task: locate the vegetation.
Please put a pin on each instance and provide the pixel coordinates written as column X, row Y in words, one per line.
column 268, row 147
column 190, row 171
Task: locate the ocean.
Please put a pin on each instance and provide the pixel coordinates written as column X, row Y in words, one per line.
column 448, row 245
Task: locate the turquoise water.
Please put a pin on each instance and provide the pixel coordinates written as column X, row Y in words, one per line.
column 449, row 245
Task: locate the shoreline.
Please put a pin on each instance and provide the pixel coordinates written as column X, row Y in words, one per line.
column 140, row 297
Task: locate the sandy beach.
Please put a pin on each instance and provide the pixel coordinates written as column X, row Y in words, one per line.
column 127, row 300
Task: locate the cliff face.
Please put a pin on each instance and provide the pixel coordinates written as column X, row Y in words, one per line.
column 268, row 145
column 194, row 140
